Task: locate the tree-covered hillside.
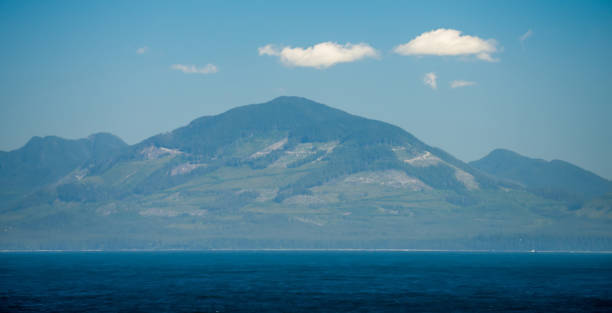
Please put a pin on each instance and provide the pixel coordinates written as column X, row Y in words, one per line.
column 554, row 179
column 286, row 173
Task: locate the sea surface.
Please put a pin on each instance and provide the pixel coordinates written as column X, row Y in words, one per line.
column 305, row 281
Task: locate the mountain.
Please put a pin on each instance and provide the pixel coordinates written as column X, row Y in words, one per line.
column 270, row 134
column 45, row 160
column 288, row 173
column 554, row 179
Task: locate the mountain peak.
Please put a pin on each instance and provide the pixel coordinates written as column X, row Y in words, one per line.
column 505, row 154
column 299, row 119
column 297, row 105
column 103, row 136
column 38, row 139
column 541, row 174
column 292, row 99
column 96, row 139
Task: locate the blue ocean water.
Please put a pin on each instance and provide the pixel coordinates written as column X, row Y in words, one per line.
column 305, row 281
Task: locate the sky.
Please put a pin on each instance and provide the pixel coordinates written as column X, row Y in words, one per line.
column 465, row 76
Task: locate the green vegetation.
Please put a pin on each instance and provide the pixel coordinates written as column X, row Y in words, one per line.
column 290, row 173
column 556, row 180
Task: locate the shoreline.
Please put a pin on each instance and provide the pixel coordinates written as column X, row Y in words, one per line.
column 307, row 250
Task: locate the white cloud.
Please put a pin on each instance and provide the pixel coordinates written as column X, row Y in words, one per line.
column 192, row 69
column 142, row 50
column 322, row 55
column 449, row 42
column 431, row 79
column 526, row 35
column 461, row 83
column 268, row 50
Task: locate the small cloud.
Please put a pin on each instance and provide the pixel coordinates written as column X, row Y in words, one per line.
column 320, row 56
column 461, row 83
column 142, row 50
column 449, row 42
column 524, row 37
column 431, row 79
column 192, row 69
column 268, row 50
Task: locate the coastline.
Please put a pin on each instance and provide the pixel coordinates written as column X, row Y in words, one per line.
column 311, row 250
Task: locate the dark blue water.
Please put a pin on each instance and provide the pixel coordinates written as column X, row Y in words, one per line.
column 305, row 282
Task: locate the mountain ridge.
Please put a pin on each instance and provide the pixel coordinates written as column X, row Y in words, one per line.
column 288, row 170
column 43, row 160
column 544, row 177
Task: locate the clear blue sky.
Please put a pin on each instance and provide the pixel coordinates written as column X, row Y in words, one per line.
column 74, row 68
